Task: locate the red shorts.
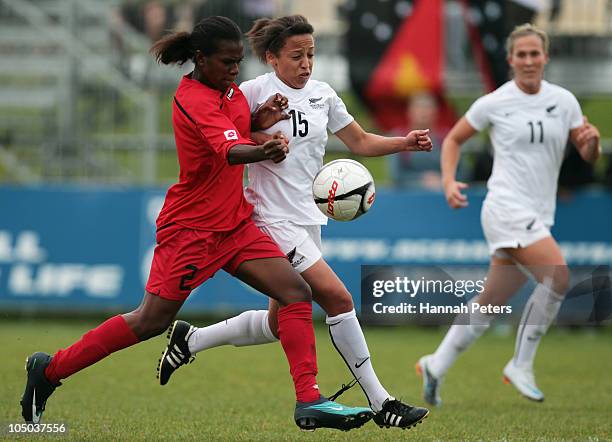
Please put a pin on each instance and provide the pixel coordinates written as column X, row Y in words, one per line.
column 185, row 258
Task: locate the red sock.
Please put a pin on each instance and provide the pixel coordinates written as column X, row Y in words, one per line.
column 297, row 338
column 112, row 335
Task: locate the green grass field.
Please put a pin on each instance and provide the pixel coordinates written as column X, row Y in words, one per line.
column 246, row 393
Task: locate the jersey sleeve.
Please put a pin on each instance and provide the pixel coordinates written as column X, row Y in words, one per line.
column 218, row 130
column 478, row 113
column 575, row 118
column 249, row 90
column 338, row 116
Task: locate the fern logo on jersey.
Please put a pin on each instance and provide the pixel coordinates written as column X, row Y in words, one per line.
column 314, row 103
column 230, row 134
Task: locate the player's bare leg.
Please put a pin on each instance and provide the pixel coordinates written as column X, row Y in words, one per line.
column 298, row 341
column 545, row 262
column 44, row 372
column 504, row 279
column 348, row 339
column 256, row 327
column 276, row 278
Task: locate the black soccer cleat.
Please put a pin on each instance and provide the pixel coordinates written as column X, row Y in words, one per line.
column 38, row 388
column 394, row 413
column 177, row 351
column 324, row 413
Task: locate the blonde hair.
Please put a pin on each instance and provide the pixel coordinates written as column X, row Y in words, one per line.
column 523, row 31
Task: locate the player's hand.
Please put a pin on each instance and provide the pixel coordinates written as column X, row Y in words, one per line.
column 418, row 140
column 270, row 112
column 278, row 135
column 275, row 150
column 588, row 134
column 260, row 138
column 454, row 197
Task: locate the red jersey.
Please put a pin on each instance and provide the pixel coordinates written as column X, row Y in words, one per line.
column 207, row 124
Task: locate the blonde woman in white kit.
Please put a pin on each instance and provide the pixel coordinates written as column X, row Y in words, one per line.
column 530, row 121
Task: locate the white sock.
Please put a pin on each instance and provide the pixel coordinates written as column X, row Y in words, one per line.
column 347, row 337
column 539, row 312
column 248, row 328
column 465, row 330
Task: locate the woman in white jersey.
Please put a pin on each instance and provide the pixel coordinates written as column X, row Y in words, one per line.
column 530, row 121
column 283, row 206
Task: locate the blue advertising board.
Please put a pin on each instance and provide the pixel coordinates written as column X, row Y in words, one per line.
column 78, row 248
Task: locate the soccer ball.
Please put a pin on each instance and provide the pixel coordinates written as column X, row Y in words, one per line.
column 343, row 190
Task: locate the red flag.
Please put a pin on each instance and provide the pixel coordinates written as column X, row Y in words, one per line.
column 412, row 63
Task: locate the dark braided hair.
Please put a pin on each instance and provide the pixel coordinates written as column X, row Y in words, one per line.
column 271, row 34
column 182, row 46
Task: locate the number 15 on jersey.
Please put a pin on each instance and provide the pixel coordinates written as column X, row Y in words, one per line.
column 300, row 124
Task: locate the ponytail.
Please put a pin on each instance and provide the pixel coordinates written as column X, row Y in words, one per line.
column 182, row 46
column 173, row 48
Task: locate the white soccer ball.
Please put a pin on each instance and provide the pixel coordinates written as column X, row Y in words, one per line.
column 343, row 190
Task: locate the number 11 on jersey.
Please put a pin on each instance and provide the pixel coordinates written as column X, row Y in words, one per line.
column 532, row 127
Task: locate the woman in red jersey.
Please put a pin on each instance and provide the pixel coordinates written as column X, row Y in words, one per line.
column 284, row 208
column 204, row 226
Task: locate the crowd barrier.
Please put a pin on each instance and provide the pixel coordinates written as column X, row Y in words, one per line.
column 89, row 249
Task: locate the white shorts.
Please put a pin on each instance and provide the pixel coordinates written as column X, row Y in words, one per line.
column 301, row 244
column 511, row 228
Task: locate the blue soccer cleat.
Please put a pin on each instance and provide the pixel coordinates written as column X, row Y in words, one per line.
column 324, row 413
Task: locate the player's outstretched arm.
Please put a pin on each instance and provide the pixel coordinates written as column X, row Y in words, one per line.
column 368, row 144
column 587, row 140
column 275, row 150
column 449, row 159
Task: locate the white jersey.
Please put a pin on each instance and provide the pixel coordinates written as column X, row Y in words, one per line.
column 283, row 191
column 529, row 133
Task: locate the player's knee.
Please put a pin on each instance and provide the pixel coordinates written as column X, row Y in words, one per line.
column 297, row 291
column 345, row 304
column 146, row 326
column 491, row 298
column 303, row 292
column 273, row 324
column 557, row 279
column 561, row 280
column 338, row 301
